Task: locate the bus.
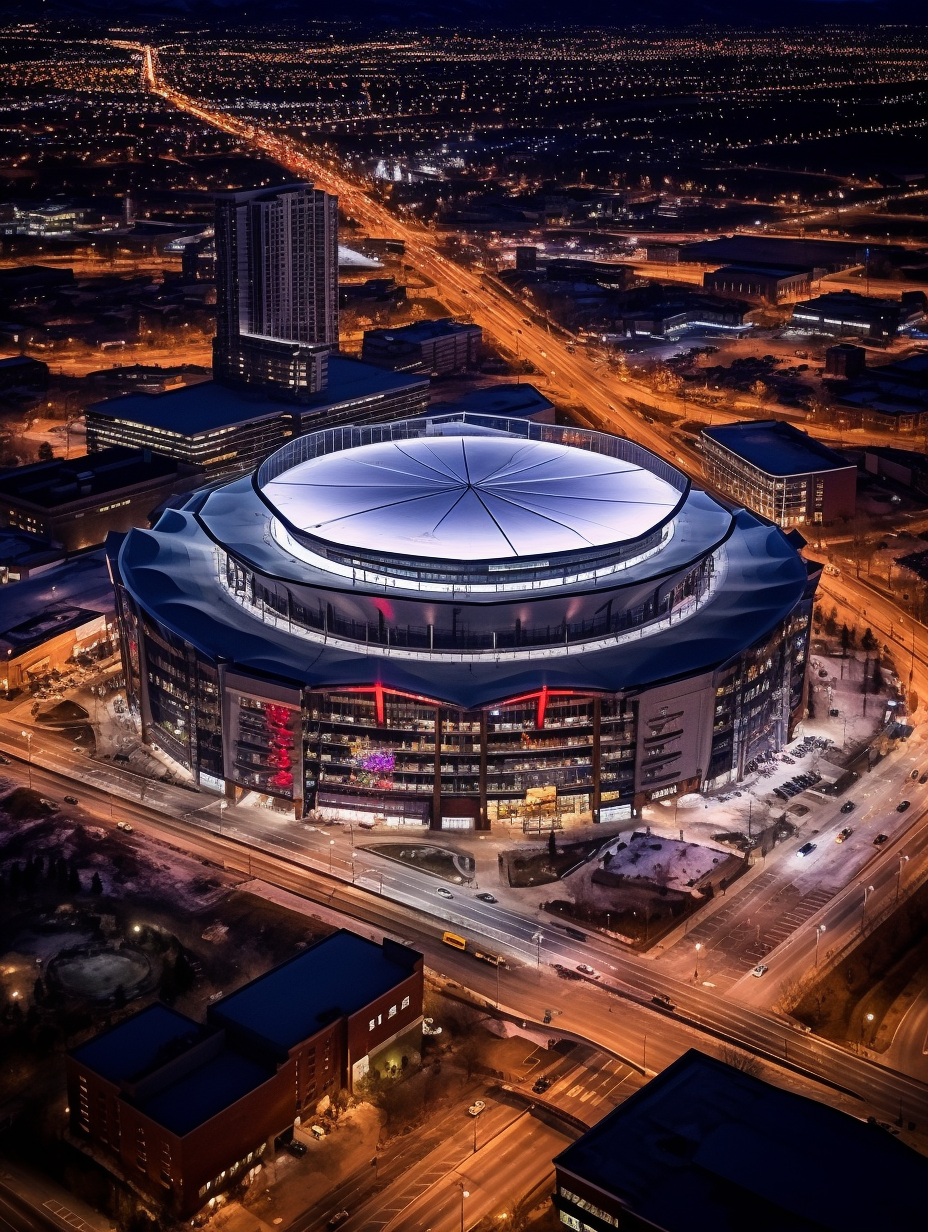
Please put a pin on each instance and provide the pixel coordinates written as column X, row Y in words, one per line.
column 460, row 943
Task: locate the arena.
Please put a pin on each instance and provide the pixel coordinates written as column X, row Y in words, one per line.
column 453, row 620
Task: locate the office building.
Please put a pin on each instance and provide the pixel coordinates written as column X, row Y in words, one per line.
column 453, row 619
column 526, row 257
column 780, row 472
column 186, row 1111
column 23, row 555
column 63, row 613
column 276, row 289
column 20, row 371
column 766, row 283
column 706, row 1146
column 75, row 503
column 436, row 347
column 226, row 430
column 849, row 314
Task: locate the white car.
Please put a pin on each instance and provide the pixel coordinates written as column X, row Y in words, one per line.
column 476, row 1108
column 760, row 969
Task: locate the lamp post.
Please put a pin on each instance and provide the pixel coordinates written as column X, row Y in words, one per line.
column 868, row 890
column 903, row 861
column 28, row 737
column 331, row 847
column 698, row 948
column 868, row 1019
column 465, row 1193
column 223, row 805
column 818, row 933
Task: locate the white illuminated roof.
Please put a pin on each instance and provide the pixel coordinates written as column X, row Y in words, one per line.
column 471, row 498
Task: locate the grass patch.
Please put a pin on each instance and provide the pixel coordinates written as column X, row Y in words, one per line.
column 541, row 868
column 438, row 861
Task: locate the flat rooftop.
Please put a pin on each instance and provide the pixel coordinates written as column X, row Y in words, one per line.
column 704, row 1145
column 852, row 300
column 49, row 485
column 423, row 331
column 518, row 400
column 334, row 978
column 199, row 1095
column 776, row 448
column 765, row 271
column 350, row 380
column 60, row 598
column 139, row 1043
column 192, row 409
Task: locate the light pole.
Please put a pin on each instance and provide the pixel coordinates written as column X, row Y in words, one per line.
column 818, row 933
column 698, row 948
column 28, row 737
column 223, row 805
column 465, row 1193
column 537, row 938
column 868, row 1018
column 868, row 890
column 331, row 846
column 903, row 860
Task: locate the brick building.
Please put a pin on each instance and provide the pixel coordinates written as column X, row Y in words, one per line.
column 186, row 1110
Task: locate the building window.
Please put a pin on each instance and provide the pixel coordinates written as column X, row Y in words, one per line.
column 392, row 1013
column 571, row 1221
column 405, row 1004
column 371, row 1025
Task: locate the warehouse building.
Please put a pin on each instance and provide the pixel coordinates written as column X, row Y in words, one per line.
column 760, row 282
column 849, row 314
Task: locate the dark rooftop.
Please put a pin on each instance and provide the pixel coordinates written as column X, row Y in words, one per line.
column 776, row 448
column 519, row 400
column 199, row 1095
column 704, row 1146
column 60, row 598
column 766, row 271
column 333, row 978
column 193, row 409
column 50, row 485
column 351, row 380
column 133, row 1046
column 763, row 250
column 421, row 331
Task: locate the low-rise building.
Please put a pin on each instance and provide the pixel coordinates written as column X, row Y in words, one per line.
column 779, row 472
column 21, row 370
column 64, row 613
column 76, row 502
column 226, row 430
column 893, row 396
column 850, row 314
column 705, row 1145
column 187, row 1110
column 845, row 361
column 438, row 347
column 23, row 555
column 520, row 401
column 759, row 282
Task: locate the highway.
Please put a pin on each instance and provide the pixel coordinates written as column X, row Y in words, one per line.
column 613, row 1010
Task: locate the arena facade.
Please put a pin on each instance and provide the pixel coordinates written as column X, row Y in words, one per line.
column 458, row 619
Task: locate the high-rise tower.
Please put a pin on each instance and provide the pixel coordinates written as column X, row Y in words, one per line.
column 276, row 288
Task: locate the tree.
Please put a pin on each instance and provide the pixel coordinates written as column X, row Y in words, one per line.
column 46, row 453
column 877, row 680
column 552, row 844
column 74, row 880
column 184, row 974
column 845, row 640
column 96, row 885
column 831, row 623
column 868, row 641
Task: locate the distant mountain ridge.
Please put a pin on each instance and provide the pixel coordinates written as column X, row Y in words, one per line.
column 467, row 13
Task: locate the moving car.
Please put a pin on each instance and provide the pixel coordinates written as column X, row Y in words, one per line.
column 337, row 1219
column 760, row 969
column 848, row 807
column 476, row 1108
column 903, row 805
column 806, row 849
column 924, row 778
column 880, row 840
column 443, row 893
column 844, row 835
column 541, row 1084
column 70, row 799
column 663, row 1001
column 4, row 761
column 124, row 825
column 585, row 968
column 486, row 898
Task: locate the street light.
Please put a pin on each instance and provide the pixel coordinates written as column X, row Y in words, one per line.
column 698, row 948
column 28, row 736
column 868, row 890
column 903, row 860
column 331, row 845
column 537, row 938
column 868, row 1018
column 818, row 933
column 465, row 1193
column 223, row 805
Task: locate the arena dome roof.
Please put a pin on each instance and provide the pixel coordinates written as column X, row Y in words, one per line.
column 471, row 498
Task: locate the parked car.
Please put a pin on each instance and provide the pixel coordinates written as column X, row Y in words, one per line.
column 806, row 849
column 337, row 1219
column 476, row 1108
column 848, row 807
column 486, row 898
column 70, row 799
column 924, row 778
column 760, row 969
column 903, row 805
column 844, row 835
column 541, row 1085
column 880, row 840
column 4, row 761
column 663, row 1001
column 124, row 826
column 296, row 1147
